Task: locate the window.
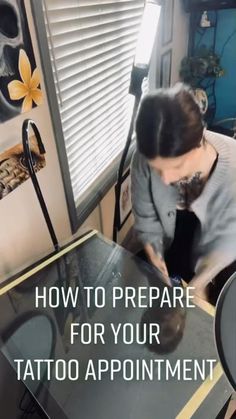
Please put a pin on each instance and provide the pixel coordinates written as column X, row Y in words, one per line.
column 92, row 46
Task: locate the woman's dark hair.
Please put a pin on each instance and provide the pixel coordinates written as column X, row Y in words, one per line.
column 169, row 123
column 172, row 323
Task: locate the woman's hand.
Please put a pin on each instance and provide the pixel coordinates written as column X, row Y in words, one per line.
column 157, row 260
column 199, row 291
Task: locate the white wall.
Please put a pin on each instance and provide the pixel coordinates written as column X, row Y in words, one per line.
column 101, row 218
column 179, row 45
column 180, row 39
column 24, row 236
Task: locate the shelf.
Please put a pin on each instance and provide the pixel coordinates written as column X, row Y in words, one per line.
column 206, row 27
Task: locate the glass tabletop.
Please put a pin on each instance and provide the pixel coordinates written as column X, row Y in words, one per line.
column 161, row 357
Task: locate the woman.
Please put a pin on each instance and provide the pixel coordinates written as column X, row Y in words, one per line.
column 184, row 190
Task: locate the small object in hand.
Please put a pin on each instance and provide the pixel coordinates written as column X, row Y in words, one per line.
column 176, row 281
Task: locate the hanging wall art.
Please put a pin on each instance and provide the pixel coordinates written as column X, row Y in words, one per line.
column 13, row 169
column 125, row 205
column 19, row 77
column 166, row 61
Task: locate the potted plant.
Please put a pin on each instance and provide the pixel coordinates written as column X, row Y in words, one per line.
column 203, row 64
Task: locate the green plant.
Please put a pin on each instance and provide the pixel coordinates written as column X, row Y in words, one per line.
column 205, row 63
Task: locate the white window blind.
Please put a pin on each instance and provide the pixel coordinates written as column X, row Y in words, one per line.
column 92, row 45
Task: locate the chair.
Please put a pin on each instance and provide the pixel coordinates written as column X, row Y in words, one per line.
column 225, row 329
column 225, row 126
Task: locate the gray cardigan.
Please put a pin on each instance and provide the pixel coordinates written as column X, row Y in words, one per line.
column 154, row 208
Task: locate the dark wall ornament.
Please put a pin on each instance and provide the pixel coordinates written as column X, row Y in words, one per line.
column 19, row 77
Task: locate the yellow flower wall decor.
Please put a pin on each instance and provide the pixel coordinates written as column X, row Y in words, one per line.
column 28, row 88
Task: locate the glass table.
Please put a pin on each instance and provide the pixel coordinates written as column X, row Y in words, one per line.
column 30, row 333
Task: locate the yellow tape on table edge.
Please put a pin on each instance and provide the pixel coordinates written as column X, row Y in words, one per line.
column 204, row 305
column 47, row 262
column 200, row 394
